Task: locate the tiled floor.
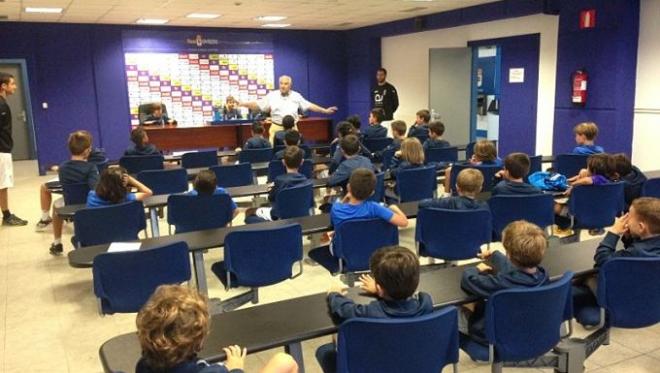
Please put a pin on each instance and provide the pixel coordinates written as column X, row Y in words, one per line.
column 48, row 318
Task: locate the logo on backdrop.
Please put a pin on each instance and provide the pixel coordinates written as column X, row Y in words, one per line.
column 199, row 41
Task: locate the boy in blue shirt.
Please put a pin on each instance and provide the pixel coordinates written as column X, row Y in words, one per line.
column 395, row 272
column 206, row 184
column 350, row 146
column 525, row 245
column 288, row 122
column 344, row 129
column 435, row 140
column 585, row 134
column 356, row 122
column 291, row 138
column 398, row 135
column 141, row 145
column 468, row 185
column 114, row 187
column 375, row 129
column 420, row 128
column 516, row 167
column 257, row 141
column 632, row 177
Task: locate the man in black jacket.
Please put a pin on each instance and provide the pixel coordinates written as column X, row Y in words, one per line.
column 384, row 95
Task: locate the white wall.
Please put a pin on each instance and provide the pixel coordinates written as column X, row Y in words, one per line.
column 406, row 58
column 646, row 125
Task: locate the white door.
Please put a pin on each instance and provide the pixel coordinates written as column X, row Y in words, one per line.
column 20, row 127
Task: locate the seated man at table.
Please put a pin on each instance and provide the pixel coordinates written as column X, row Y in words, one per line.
column 155, row 116
column 525, row 245
column 257, row 141
column 206, row 184
column 230, row 111
column 141, row 145
column 516, row 167
column 172, row 328
column 395, row 271
column 288, row 124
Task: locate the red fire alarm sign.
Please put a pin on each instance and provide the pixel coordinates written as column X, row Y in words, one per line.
column 588, row 18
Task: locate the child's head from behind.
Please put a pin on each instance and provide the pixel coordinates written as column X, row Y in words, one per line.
column 362, row 184
column 205, row 183
column 293, row 157
column 172, row 326
column 525, row 243
column 112, row 185
column 350, row 145
column 620, row 165
column 644, row 217
column 344, row 128
column 257, row 129
column 436, row 129
column 139, row 137
column 398, row 129
column 396, row 272
column 585, row 132
column 288, row 122
column 291, row 137
column 80, row 143
column 423, row 116
column 355, row 121
column 485, row 151
column 412, row 151
column 599, row 164
column 516, row 166
column 376, row 116
column 469, row 182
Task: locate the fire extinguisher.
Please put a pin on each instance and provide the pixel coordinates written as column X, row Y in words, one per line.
column 579, row 80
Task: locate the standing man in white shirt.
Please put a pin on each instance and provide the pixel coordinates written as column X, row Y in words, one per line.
column 283, row 102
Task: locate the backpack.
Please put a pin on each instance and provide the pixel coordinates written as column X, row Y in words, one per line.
column 548, row 181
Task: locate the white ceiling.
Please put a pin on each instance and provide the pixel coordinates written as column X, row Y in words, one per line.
column 302, row 14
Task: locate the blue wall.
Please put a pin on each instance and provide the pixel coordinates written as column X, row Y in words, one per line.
column 79, row 71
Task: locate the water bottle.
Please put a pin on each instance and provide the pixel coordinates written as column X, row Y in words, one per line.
column 217, row 113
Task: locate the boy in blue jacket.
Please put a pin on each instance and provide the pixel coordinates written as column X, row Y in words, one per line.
column 435, row 140
column 516, row 167
column 585, row 135
column 395, row 272
column 257, row 141
column 375, row 129
column 468, row 185
column 350, row 147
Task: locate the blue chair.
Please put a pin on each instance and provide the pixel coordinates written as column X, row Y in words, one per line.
column 379, row 192
column 75, row 194
column 165, row 181
column 136, row 163
column 522, row 323
column 387, row 159
column 416, row 184
column 258, row 257
column 276, row 168
column 255, row 155
column 570, row 165
column 377, row 144
column 651, row 188
column 395, row 344
column 535, row 208
column 421, row 138
column 234, row 175
column 487, row 170
column 296, row 201
column 203, row 159
column 352, row 245
column 195, row 213
column 441, row 155
column 99, row 225
column 595, row 206
column 452, row 234
column 124, row 281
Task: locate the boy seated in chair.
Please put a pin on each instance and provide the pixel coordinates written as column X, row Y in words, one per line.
column 141, row 145
column 288, row 123
column 375, row 129
column 468, row 185
column 525, row 245
column 206, row 184
column 435, row 140
column 257, row 141
column 516, row 167
column 394, row 279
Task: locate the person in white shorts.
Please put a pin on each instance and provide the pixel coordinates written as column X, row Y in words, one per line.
column 7, row 87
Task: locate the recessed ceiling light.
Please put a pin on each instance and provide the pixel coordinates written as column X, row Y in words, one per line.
column 151, row 21
column 203, row 15
column 270, row 18
column 43, row 10
column 276, row 25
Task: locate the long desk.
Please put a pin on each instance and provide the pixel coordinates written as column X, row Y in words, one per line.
column 229, row 135
column 287, row 323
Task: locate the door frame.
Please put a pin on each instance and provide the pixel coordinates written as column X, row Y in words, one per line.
column 27, row 98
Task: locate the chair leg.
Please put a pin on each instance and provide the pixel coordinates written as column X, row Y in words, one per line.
column 455, row 367
column 496, row 367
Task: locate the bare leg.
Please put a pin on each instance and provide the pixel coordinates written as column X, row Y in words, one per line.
column 57, row 227
column 447, row 181
column 4, row 199
column 281, row 363
column 46, row 198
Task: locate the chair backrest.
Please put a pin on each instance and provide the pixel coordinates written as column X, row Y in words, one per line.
column 75, row 194
column 595, row 206
column 136, row 163
column 99, row 225
column 124, row 281
column 195, row 213
column 651, row 188
column 276, row 168
column 296, row 201
column 207, row 158
column 356, row 240
column 535, row 208
column 377, row 144
column 255, row 264
column 524, row 323
column 487, row 170
column 452, row 234
column 415, row 184
column 535, row 165
column 101, row 166
column 570, row 165
column 379, row 192
column 165, row 181
column 440, row 155
column 397, row 342
column 387, row 158
column 255, row 155
column 629, row 290
column 233, row 175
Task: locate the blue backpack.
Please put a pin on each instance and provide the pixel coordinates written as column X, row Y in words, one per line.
column 548, row 181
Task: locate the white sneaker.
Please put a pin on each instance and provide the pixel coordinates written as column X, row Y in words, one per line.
column 42, row 225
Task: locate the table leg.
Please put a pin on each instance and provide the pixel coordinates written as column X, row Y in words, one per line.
column 200, row 272
column 295, row 350
column 153, row 218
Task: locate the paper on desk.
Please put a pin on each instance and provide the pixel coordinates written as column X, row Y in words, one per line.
column 118, row 247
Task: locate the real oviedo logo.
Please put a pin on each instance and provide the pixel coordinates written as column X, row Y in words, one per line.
column 199, row 41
